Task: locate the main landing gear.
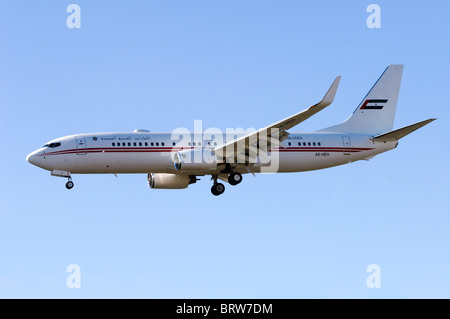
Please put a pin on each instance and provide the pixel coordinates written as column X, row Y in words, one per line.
column 234, row 178
column 218, row 188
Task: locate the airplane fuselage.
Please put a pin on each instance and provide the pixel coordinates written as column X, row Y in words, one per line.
column 118, row 153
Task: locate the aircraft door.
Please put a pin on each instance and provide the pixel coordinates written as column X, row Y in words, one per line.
column 81, row 145
column 347, row 144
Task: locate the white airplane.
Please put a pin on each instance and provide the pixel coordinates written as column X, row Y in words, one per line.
column 173, row 160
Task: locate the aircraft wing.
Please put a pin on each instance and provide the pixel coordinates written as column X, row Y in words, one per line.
column 275, row 131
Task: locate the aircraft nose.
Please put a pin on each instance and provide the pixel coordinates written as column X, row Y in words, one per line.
column 32, row 158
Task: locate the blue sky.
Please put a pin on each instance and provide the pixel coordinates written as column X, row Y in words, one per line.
column 162, row 65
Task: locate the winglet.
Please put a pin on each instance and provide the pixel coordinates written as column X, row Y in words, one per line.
column 331, row 93
column 283, row 125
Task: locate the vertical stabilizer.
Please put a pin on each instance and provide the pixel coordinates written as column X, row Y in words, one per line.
column 376, row 112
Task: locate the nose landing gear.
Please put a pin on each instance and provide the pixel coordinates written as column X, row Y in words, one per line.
column 69, row 184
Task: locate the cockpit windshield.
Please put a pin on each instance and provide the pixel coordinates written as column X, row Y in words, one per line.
column 51, row 145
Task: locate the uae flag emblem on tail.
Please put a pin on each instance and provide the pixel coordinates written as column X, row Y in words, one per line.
column 373, row 104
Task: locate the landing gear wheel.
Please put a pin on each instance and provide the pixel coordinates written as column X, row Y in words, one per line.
column 235, row 178
column 69, row 185
column 217, row 189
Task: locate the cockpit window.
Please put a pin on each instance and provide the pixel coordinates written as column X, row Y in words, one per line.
column 51, row 145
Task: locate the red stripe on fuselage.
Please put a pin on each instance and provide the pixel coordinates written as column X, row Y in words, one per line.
column 112, row 150
column 170, row 149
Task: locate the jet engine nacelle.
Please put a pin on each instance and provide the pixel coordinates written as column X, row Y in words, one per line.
column 195, row 160
column 168, row 181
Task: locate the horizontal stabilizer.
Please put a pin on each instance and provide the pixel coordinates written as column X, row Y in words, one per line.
column 400, row 133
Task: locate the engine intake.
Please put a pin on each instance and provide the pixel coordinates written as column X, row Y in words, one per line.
column 168, row 181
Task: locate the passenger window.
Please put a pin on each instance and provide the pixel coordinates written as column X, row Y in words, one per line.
column 194, row 144
column 129, row 144
column 318, row 143
column 146, row 144
column 173, row 143
column 299, row 144
column 157, row 144
column 289, row 144
column 309, row 143
column 134, row 143
column 113, row 144
column 314, row 143
column 304, row 144
column 152, row 144
column 162, row 143
column 140, row 143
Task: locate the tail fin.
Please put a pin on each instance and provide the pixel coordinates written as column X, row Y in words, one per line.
column 375, row 114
